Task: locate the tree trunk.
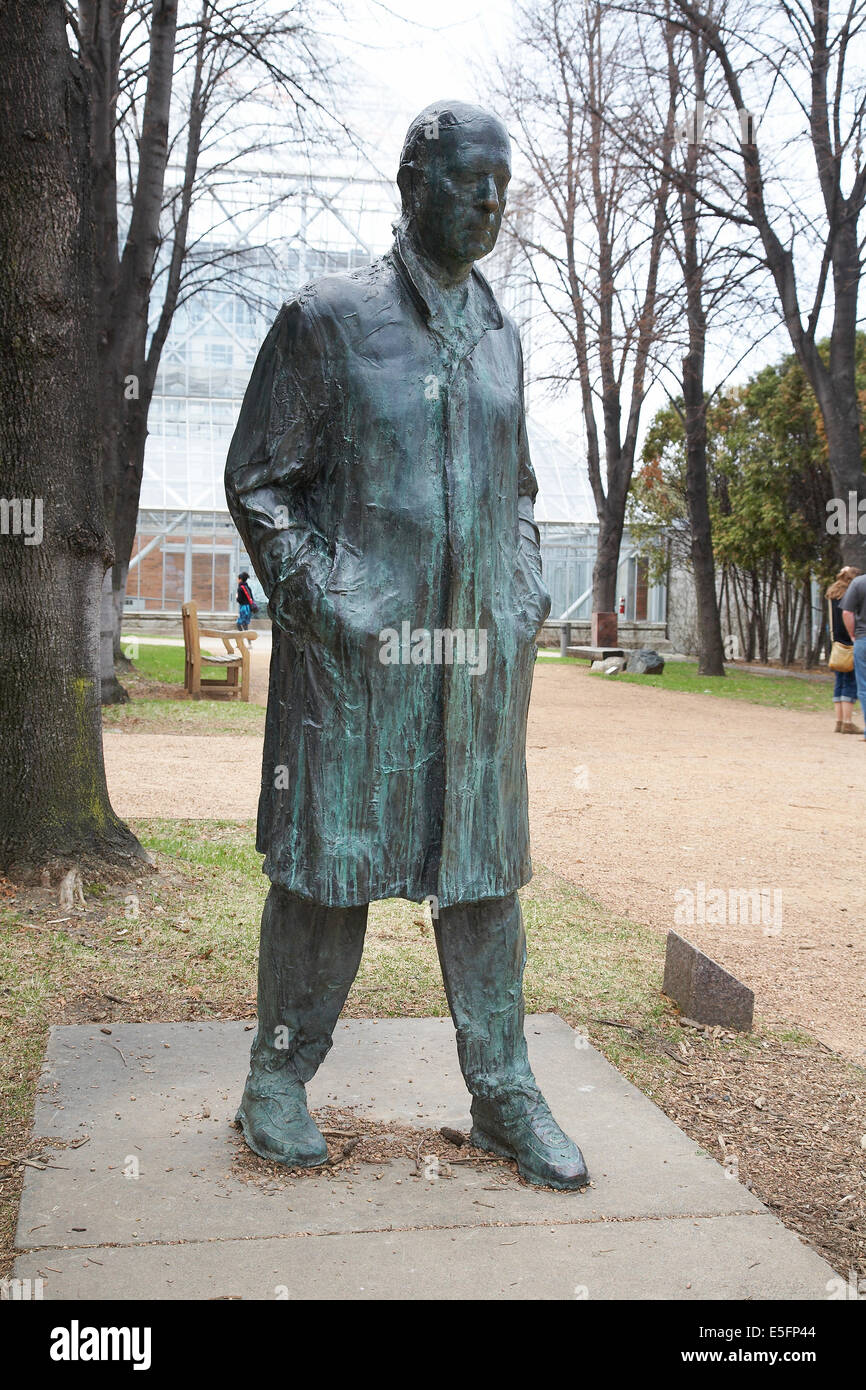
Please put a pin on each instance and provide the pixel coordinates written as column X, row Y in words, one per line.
column 55, row 802
column 112, row 692
column 126, row 285
column 807, row 621
column 711, row 653
column 124, row 439
column 133, row 442
column 611, row 520
column 845, row 460
column 840, row 407
column 711, row 656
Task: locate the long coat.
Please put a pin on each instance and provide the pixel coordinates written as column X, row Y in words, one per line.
column 380, row 478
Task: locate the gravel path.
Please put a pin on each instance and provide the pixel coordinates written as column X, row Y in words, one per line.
column 636, row 793
column 689, row 789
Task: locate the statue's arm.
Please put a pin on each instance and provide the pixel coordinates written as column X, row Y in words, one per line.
column 273, row 460
column 531, row 586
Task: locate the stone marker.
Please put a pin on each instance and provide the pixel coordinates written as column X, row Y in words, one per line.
column 704, row 990
column 645, row 662
column 603, row 630
column 611, row 665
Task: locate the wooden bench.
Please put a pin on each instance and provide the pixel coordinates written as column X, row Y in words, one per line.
column 236, row 662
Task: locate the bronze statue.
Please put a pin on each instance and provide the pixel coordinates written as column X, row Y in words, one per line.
column 380, row 478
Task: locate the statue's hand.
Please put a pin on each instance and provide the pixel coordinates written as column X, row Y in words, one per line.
column 533, row 597
column 317, row 621
column 305, row 605
column 300, row 605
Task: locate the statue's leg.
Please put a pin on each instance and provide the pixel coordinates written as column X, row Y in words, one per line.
column 482, row 951
column 308, row 957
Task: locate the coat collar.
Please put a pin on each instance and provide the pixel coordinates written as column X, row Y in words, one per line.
column 481, row 303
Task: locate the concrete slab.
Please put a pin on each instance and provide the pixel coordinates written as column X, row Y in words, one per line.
column 724, row 1257
column 156, row 1099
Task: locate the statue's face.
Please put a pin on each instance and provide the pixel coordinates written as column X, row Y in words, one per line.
column 460, row 196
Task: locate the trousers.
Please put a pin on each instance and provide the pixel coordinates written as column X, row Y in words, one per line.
column 309, row 956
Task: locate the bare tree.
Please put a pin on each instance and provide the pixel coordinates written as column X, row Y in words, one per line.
column 197, row 86
column 713, row 273
column 598, row 219
column 710, row 649
column 797, row 56
column 55, row 545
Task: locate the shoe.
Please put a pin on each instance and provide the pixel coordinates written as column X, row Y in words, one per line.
column 520, row 1126
column 838, row 728
column 278, row 1127
column 850, row 728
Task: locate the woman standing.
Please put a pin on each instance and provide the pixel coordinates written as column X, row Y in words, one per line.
column 845, row 692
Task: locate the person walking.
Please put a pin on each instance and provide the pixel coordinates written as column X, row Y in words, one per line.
column 853, row 604
column 247, row 605
column 845, row 690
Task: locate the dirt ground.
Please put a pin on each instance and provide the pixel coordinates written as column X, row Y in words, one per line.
column 636, row 795
column 687, row 789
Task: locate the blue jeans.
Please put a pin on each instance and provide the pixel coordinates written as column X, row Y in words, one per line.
column 845, row 687
column 860, row 669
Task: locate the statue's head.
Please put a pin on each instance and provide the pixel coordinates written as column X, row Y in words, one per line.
column 454, row 171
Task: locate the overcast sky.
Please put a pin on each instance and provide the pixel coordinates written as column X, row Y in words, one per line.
column 417, row 52
column 404, row 54
column 412, row 52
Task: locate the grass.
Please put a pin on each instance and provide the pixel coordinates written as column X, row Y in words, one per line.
column 583, row 959
column 785, row 692
column 170, row 710
column 185, row 717
column 225, row 845
column 155, row 660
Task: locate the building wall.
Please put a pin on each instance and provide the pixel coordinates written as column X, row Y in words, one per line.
column 567, row 560
column 682, row 612
column 629, row 635
column 198, row 556
column 160, row 581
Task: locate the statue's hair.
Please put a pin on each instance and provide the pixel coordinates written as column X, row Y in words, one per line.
column 421, row 140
